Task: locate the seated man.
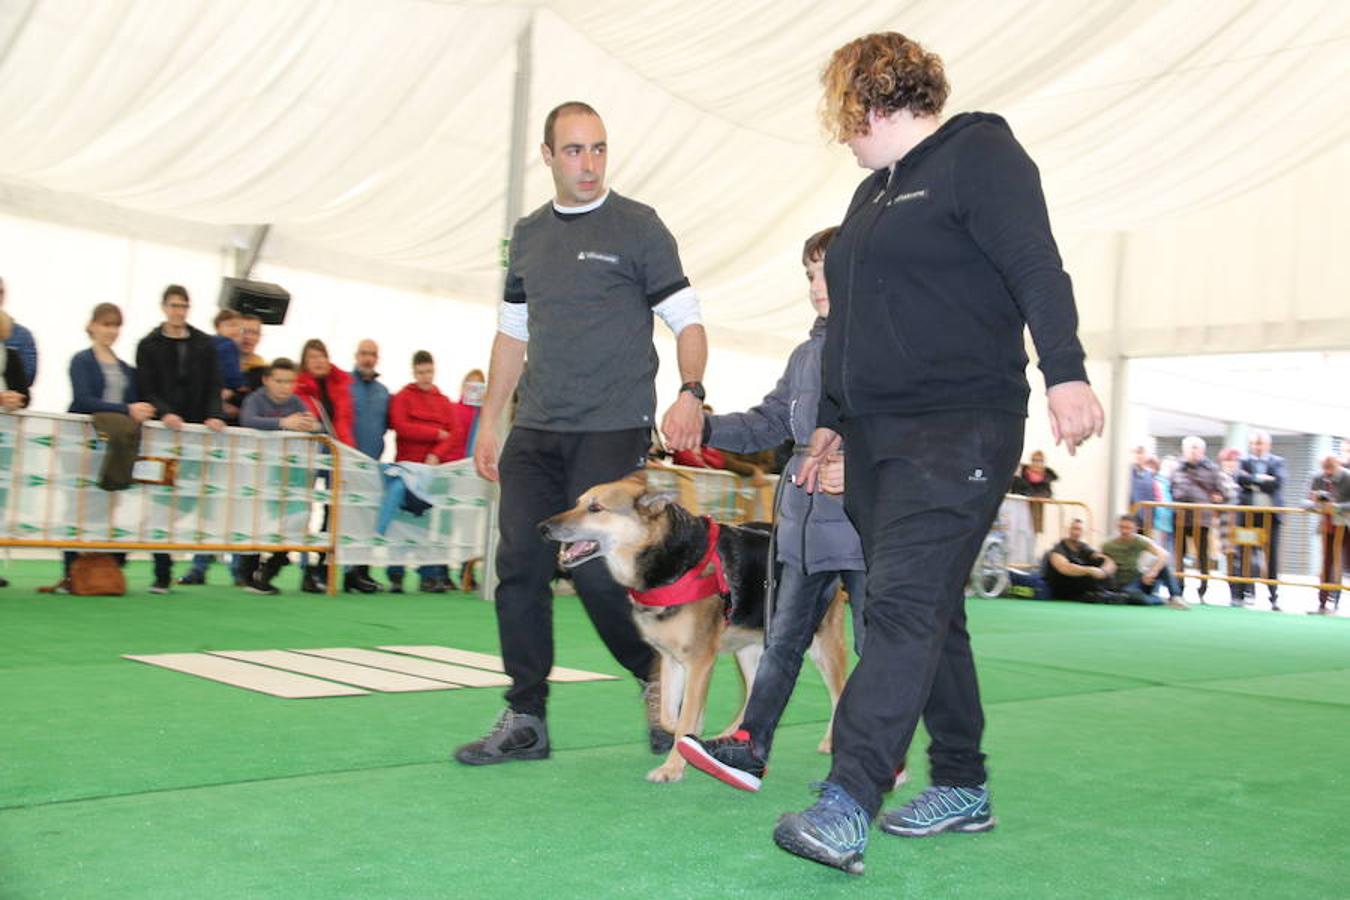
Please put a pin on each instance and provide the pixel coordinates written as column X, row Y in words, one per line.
column 1076, row 571
column 1140, row 566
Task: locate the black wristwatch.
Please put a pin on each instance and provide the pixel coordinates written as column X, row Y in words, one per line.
column 695, row 388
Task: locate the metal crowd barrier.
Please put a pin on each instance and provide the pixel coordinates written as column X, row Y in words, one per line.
column 725, row 496
column 1016, row 525
column 1238, row 531
column 50, row 499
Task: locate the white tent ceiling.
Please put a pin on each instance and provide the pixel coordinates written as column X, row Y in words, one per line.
column 375, row 134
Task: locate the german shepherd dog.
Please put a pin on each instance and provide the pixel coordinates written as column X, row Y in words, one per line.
column 648, row 541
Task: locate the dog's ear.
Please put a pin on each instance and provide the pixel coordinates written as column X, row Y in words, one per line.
column 654, row 503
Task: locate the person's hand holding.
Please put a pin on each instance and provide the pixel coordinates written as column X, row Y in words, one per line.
column 1075, row 414
column 10, row 400
column 831, row 474
column 141, row 411
column 173, row 421
column 824, row 441
column 215, row 424
column 682, row 425
column 432, row 459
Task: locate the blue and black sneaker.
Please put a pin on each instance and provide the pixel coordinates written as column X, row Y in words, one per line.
column 939, row 809
column 833, row 832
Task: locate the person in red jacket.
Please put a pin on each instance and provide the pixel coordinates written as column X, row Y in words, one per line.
column 426, row 430
column 326, row 392
column 471, row 392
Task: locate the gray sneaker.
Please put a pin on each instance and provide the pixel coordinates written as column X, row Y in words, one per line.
column 940, row 809
column 516, row 736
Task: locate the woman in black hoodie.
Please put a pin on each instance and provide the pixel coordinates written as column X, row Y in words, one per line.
column 943, row 258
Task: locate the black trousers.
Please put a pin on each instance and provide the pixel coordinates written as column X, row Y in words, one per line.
column 1270, row 568
column 923, row 492
column 542, row 474
column 1192, row 525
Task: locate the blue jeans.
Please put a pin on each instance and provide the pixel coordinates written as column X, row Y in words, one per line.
column 800, row 602
column 396, row 572
column 1142, row 594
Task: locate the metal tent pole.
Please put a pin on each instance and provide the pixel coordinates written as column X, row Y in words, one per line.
column 515, row 204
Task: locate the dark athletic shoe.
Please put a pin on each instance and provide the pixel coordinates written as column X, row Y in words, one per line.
column 193, row 577
column 939, row 809
column 160, row 586
column 262, row 586
column 731, row 760
column 361, row 584
column 311, row 583
column 833, row 832
column 516, row 736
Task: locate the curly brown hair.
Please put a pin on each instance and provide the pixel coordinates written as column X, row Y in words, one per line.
column 883, row 72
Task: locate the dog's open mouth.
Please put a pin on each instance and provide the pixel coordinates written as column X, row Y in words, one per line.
column 577, row 552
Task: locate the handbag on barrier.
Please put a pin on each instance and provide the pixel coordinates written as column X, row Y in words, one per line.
column 97, row 575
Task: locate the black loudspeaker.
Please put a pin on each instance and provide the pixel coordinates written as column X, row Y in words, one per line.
column 268, row 302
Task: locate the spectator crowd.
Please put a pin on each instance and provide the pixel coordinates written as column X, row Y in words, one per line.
column 183, row 375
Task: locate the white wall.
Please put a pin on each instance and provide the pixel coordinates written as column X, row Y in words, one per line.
column 54, row 275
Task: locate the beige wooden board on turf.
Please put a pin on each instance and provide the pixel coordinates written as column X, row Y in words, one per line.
column 490, row 662
column 437, row 671
column 362, row 676
column 248, row 676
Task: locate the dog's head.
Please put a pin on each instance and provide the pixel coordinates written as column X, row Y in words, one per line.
column 616, row 521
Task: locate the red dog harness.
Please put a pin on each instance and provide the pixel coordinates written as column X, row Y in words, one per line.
column 693, row 585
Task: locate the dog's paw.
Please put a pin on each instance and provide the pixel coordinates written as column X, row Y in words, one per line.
column 667, row 773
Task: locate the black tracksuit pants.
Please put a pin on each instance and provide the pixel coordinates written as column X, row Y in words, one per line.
column 923, row 492
column 542, row 474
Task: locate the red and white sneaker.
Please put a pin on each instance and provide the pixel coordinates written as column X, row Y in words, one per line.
column 731, row 760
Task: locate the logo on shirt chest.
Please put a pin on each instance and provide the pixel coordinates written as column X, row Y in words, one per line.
column 908, row 197
column 597, row 256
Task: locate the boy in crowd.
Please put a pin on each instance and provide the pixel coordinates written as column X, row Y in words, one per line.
column 425, row 431
column 274, row 408
column 227, row 323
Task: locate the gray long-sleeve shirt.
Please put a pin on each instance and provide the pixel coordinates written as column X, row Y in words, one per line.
column 262, row 412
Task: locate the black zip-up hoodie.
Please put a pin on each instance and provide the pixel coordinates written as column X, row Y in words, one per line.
column 180, row 375
column 934, row 272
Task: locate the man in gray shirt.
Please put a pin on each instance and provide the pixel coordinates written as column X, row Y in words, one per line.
column 586, row 273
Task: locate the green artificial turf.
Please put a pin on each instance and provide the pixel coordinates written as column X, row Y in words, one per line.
column 1134, row 752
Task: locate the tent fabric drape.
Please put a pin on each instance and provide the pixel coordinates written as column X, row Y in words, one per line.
column 376, row 132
